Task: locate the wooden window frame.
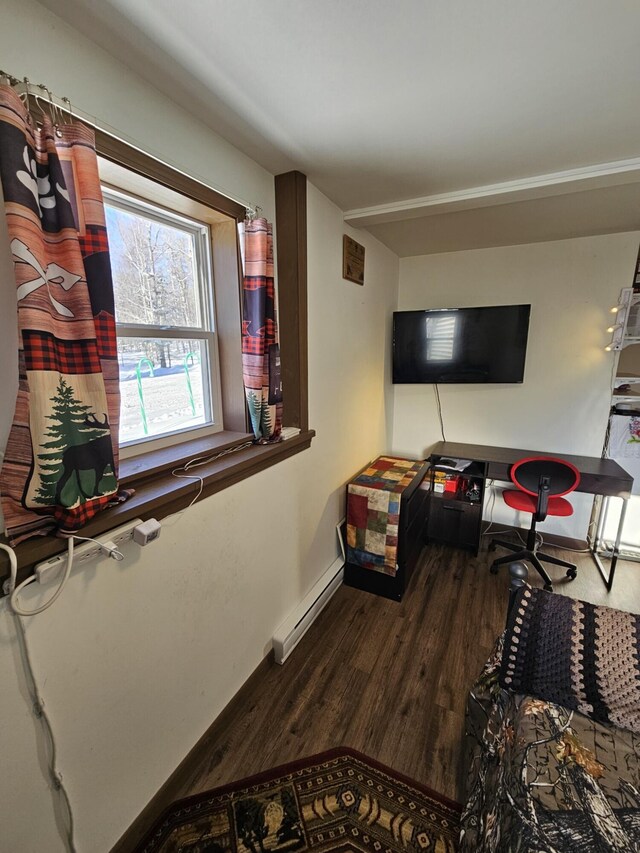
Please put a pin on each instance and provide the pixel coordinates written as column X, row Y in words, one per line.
column 225, row 257
column 157, row 492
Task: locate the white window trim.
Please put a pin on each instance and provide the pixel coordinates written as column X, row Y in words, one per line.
column 206, row 332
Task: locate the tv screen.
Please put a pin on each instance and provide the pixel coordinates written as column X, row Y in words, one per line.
column 460, row 345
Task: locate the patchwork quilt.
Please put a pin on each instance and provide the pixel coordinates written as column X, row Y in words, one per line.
column 373, row 513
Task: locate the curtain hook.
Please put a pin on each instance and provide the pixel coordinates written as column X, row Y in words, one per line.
column 252, row 212
column 56, row 113
column 69, row 111
column 11, row 80
column 36, row 100
column 24, row 96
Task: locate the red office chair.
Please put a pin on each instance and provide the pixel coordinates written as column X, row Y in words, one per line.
column 541, row 481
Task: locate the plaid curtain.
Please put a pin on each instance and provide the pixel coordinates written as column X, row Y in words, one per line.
column 61, row 460
column 260, row 348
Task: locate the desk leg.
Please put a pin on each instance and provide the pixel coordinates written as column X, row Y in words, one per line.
column 608, row 578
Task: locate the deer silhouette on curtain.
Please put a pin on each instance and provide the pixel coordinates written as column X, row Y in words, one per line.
column 61, row 460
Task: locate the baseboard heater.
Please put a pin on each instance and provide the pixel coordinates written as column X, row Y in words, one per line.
column 298, row 623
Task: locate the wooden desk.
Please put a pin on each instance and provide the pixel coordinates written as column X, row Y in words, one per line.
column 598, row 477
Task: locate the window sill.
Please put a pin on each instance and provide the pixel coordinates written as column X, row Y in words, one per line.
column 159, row 494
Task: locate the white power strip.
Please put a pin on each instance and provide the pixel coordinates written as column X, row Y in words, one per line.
column 50, row 570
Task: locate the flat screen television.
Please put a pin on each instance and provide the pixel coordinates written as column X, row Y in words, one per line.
column 460, row 345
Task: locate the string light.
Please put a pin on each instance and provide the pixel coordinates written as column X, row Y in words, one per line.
column 620, row 311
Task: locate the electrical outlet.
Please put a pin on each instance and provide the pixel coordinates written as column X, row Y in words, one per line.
column 50, row 570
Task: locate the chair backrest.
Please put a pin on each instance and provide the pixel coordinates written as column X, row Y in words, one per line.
column 563, row 476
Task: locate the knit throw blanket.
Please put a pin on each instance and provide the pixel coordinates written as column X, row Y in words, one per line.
column 581, row 656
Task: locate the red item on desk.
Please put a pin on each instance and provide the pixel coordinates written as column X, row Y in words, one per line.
column 451, row 484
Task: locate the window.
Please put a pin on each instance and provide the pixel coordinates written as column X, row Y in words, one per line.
column 161, row 266
column 163, row 246
column 128, row 172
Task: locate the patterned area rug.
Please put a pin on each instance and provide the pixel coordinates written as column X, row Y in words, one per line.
column 338, row 801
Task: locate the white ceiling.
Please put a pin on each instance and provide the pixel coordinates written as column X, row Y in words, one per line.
column 379, row 101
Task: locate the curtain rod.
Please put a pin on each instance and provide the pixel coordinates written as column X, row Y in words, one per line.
column 26, row 87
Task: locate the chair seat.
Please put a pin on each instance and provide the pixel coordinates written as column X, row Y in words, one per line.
column 528, row 503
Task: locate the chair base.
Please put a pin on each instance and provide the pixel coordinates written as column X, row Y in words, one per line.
column 536, row 558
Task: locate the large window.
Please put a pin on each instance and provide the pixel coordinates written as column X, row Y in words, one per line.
column 174, row 342
column 162, row 276
column 168, row 199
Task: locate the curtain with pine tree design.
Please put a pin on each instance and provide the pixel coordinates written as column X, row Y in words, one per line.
column 61, row 462
column 260, row 347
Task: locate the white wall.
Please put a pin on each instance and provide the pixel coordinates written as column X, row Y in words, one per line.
column 137, row 659
column 563, row 404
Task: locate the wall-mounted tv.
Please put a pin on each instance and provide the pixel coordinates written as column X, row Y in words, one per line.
column 460, row 345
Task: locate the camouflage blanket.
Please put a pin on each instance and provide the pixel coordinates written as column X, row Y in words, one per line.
column 543, row 778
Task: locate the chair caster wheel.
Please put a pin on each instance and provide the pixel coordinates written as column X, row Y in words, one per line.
column 571, row 574
column 548, row 587
column 494, row 570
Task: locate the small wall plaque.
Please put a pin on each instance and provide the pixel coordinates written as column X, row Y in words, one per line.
column 352, row 260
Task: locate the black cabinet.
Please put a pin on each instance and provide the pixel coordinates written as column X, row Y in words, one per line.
column 455, row 517
column 411, row 537
column 454, row 522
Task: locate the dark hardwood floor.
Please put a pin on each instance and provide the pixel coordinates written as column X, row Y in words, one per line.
column 386, row 678
column 389, row 679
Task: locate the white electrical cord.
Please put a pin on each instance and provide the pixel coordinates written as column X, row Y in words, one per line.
column 181, row 473
column 488, row 531
column 15, row 590
column 32, row 685
column 184, row 476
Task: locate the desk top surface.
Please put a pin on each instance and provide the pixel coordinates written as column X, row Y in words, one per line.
column 591, row 468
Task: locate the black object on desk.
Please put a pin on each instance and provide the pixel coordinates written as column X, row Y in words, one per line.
column 598, row 477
